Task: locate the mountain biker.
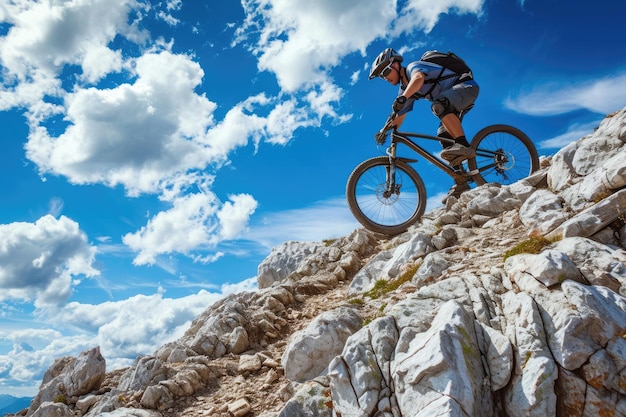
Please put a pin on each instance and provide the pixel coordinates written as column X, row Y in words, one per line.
column 452, row 96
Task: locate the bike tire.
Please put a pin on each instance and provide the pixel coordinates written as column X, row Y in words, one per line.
column 504, row 155
column 386, row 215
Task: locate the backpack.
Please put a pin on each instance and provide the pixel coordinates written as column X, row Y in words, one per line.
column 449, row 61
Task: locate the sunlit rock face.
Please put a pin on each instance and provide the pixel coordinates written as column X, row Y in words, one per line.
column 508, row 301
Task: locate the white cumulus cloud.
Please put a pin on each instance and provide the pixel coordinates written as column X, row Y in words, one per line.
column 424, row 14
column 134, row 134
column 46, row 36
column 38, row 260
column 196, row 221
column 299, row 40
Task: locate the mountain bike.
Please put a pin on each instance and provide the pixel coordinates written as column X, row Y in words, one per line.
column 387, row 195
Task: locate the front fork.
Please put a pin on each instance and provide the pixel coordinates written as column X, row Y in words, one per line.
column 391, row 187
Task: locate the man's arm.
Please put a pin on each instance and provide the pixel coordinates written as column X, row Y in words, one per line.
column 415, row 84
column 397, row 122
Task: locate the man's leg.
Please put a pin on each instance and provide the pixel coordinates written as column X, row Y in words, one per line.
column 448, row 121
column 452, row 123
column 461, row 150
column 443, row 133
column 459, row 186
column 449, row 108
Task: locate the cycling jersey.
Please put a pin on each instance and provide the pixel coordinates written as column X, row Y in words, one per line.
column 431, row 92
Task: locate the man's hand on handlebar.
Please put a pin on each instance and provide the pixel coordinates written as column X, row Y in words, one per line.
column 380, row 137
column 398, row 104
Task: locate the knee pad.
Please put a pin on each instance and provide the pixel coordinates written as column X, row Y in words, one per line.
column 441, row 107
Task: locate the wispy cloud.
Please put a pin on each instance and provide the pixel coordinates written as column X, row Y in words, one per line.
column 600, row 96
column 324, row 220
column 575, row 132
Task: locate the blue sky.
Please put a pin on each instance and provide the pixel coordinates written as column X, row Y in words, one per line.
column 155, row 152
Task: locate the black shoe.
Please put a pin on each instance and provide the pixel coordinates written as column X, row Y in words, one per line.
column 456, row 190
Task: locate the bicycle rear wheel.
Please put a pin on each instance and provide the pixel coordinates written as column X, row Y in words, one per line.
column 504, row 154
column 379, row 211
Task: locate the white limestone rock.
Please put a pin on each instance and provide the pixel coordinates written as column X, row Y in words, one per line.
column 312, row 349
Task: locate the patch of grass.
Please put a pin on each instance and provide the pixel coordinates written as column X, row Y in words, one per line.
column 534, row 245
column 61, row 398
column 328, row 242
column 382, row 286
column 601, row 196
column 356, row 301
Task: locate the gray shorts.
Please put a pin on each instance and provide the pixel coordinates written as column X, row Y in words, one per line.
column 461, row 96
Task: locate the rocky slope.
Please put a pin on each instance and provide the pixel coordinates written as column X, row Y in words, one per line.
column 508, row 302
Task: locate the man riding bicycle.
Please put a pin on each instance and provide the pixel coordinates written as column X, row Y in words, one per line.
column 452, row 95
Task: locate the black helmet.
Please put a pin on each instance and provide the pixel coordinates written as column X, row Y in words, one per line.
column 386, row 57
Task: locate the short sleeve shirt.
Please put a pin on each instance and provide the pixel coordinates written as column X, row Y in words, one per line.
column 431, row 72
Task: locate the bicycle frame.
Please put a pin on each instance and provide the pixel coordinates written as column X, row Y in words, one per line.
column 405, row 139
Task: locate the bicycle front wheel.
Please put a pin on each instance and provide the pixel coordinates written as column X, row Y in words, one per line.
column 375, row 206
column 504, row 154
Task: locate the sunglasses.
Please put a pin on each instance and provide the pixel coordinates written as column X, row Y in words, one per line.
column 385, row 72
